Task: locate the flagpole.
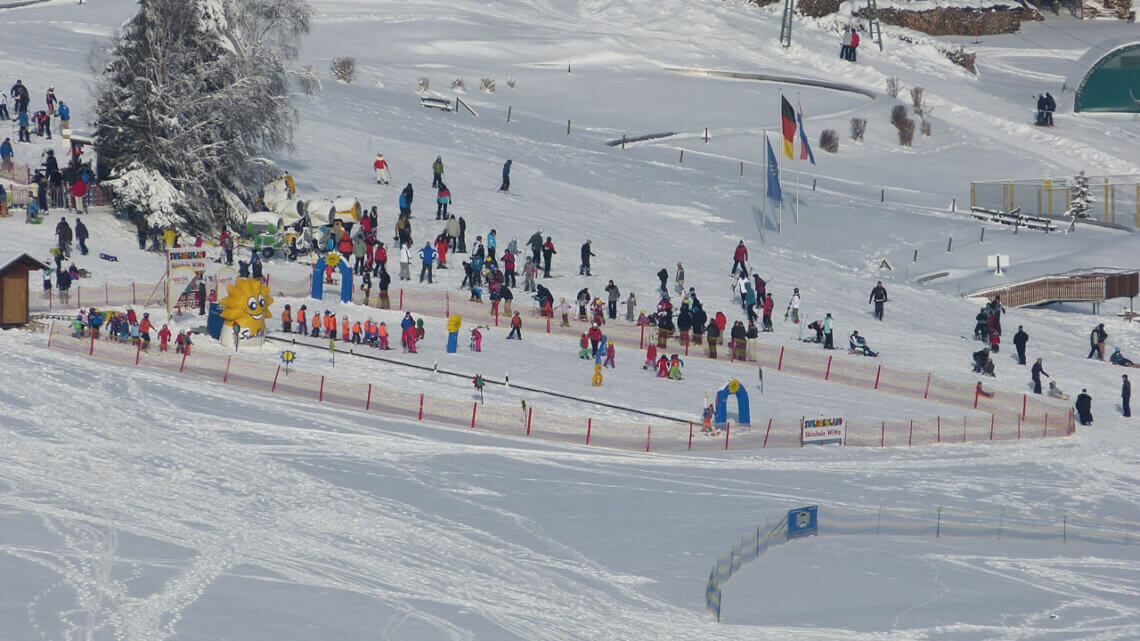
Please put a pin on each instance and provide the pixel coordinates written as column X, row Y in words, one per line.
column 801, row 136
column 764, row 191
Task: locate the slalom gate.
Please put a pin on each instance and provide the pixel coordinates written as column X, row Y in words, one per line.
column 1014, row 415
column 531, row 421
column 820, row 520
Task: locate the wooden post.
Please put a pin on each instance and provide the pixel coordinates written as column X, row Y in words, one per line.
column 982, row 239
column 508, row 113
column 949, row 244
column 273, row 388
column 623, row 141
column 992, row 426
column 682, row 160
column 741, row 168
column 1045, row 432
column 813, row 184
column 227, row 375
column 910, row 439
column 51, row 332
column 567, row 127
column 915, row 256
column 883, row 435
column 882, row 195
column 706, row 135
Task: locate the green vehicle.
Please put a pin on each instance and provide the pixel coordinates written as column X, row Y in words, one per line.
column 266, row 231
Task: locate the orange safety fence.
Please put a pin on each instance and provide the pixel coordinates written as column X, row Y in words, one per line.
column 836, row 366
column 539, row 423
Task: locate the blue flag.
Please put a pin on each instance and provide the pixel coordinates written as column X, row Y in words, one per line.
column 805, row 148
column 773, row 175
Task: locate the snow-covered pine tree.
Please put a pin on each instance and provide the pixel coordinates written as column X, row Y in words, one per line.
column 194, row 96
column 1081, row 200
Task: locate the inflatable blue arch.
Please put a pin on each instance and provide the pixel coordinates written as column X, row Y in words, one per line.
column 345, row 280
column 744, row 412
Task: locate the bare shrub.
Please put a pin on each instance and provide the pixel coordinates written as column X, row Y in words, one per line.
column 858, row 128
column 898, row 116
column 458, row 85
column 894, row 86
column 487, row 85
column 926, row 131
column 918, row 100
column 425, row 85
column 906, row 132
column 310, row 82
column 829, row 141
column 343, row 68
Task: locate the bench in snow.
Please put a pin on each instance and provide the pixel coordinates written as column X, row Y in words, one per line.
column 436, row 103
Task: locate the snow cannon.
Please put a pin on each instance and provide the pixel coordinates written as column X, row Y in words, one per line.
column 245, row 309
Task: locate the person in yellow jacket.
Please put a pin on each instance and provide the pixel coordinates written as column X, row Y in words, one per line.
column 169, row 236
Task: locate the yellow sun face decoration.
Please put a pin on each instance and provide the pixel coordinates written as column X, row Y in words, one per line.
column 247, row 305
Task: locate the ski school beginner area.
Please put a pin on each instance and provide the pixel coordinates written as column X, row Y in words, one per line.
column 441, row 320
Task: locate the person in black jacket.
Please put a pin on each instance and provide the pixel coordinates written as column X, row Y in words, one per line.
column 1096, row 342
column 713, row 337
column 684, row 321
column 739, row 341
column 584, row 268
column 1050, row 107
column 663, row 275
column 878, row 296
column 1037, row 371
column 81, row 236
column 1019, row 341
column 1126, row 396
column 1040, row 121
column 1084, row 407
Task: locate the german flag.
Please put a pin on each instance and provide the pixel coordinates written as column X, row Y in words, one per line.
column 788, row 121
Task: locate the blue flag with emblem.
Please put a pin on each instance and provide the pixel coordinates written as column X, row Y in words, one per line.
column 773, row 175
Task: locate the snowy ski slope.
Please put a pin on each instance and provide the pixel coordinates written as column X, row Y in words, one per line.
column 140, row 505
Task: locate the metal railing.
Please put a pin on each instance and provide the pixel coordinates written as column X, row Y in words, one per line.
column 1118, row 197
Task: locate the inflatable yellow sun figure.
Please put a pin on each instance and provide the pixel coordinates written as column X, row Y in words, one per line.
column 246, row 305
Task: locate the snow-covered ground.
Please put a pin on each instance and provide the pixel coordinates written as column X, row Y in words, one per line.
column 139, row 505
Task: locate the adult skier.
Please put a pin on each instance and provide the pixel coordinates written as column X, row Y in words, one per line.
column 1020, row 339
column 506, row 186
column 879, row 297
column 739, row 256
column 584, row 267
column 437, row 172
column 612, row 298
column 794, row 307
column 547, row 252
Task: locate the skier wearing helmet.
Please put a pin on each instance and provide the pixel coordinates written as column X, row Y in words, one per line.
column 383, row 176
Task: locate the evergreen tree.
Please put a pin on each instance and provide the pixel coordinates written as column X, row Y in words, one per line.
column 1081, row 200
column 193, row 99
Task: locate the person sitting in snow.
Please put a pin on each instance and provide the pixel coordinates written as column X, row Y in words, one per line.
column 859, row 345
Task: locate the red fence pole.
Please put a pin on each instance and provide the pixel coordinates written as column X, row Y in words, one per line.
column 939, row 429
column 780, row 363
column 92, row 352
column 368, row 401
column 229, row 359
column 690, row 435
column 992, row 427
column 648, row 435
column 1019, row 428
column 827, row 374
column 767, row 432
column 589, row 428
column 134, row 299
column 883, row 435
column 963, row 429
column 727, row 429
column 321, row 397
column 686, row 344
column 642, row 344
column 529, row 415
column 183, row 365
column 910, row 439
column 1024, row 403
column 138, row 352
column 547, row 324
column 474, row 408
column 926, row 392
column 977, row 393
column 421, row 398
column 107, row 293
column 1045, row 432
column 274, row 387
column 401, row 299
column 877, row 373
column 447, row 304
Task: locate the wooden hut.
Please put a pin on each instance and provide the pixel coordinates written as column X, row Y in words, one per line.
column 14, row 288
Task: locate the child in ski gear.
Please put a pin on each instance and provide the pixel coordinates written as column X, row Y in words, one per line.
column 381, row 167
column 611, row 351
column 476, row 340
column 516, row 328
column 859, row 345
column 584, row 346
